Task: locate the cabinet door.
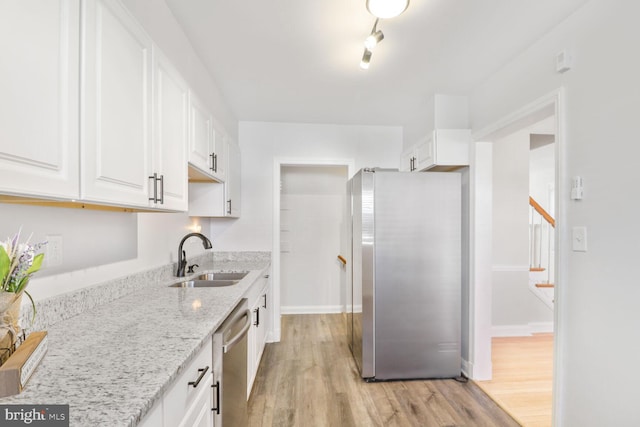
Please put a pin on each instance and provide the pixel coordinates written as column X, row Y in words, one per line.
column 407, row 160
column 171, row 133
column 39, row 46
column 221, row 152
column 425, row 153
column 233, row 181
column 115, row 106
column 200, row 137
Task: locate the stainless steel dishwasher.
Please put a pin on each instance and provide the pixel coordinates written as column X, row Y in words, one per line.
column 230, row 368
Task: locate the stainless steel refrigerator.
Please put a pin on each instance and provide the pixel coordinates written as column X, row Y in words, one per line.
column 404, row 295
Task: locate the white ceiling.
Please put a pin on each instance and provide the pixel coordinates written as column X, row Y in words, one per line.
column 297, row 60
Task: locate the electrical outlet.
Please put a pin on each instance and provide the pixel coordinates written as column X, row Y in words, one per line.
column 53, row 251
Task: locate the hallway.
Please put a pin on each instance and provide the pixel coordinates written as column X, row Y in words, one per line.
column 309, row 378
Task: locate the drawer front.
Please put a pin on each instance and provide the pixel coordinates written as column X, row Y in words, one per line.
column 200, row 413
column 189, row 386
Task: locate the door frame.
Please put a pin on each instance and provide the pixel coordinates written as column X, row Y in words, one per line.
column 278, row 162
column 479, row 364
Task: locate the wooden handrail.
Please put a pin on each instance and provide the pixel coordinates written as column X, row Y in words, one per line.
column 342, row 259
column 542, row 212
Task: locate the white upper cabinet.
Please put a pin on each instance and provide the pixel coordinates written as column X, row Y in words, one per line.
column 444, row 149
column 233, row 181
column 202, row 142
column 171, row 136
column 206, row 146
column 219, row 199
column 115, row 106
column 39, row 98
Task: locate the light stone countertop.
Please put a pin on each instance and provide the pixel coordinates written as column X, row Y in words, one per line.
column 112, row 362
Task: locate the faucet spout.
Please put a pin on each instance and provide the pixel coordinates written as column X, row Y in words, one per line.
column 182, row 256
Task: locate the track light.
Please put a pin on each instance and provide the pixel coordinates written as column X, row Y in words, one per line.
column 366, row 58
column 386, row 9
column 373, row 39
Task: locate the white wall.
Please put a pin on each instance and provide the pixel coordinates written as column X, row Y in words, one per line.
column 597, row 296
column 261, row 142
column 312, row 207
column 158, row 234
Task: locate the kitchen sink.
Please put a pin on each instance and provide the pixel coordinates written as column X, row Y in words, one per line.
column 239, row 275
column 199, row 283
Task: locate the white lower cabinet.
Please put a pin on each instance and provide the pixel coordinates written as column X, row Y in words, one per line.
column 189, row 400
column 259, row 303
column 191, row 391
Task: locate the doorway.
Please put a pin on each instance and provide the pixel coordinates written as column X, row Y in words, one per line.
column 522, row 302
column 276, row 270
column 312, row 206
column 483, row 266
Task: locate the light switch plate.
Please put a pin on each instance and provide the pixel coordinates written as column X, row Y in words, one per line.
column 579, row 239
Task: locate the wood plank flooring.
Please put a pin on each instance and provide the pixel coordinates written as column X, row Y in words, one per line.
column 310, row 379
column 523, row 377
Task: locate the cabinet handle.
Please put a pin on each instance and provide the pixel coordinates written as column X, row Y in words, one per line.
column 154, row 177
column 161, row 200
column 229, row 209
column 265, row 301
column 202, row 372
column 257, row 312
column 214, row 162
column 217, row 407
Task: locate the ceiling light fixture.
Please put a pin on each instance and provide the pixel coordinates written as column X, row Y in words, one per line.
column 366, row 58
column 386, row 9
column 374, row 38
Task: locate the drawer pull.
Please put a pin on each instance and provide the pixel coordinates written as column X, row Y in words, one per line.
column 202, row 371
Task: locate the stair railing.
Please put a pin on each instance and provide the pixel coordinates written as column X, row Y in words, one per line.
column 541, row 225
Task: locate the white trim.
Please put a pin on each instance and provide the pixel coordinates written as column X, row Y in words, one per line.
column 525, row 330
column 311, row 309
column 510, row 268
column 467, row 368
column 529, row 114
column 278, row 162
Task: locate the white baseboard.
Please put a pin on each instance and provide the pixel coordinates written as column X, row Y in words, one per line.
column 467, row 368
column 311, row 309
column 473, row 374
column 521, row 330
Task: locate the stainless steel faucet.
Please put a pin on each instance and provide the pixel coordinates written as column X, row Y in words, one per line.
column 182, row 256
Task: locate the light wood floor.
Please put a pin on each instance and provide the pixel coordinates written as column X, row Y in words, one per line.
column 523, row 377
column 309, row 379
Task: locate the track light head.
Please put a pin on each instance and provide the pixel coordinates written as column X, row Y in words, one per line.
column 366, row 58
column 373, row 39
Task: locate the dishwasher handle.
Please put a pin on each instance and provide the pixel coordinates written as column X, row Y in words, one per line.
column 233, row 341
